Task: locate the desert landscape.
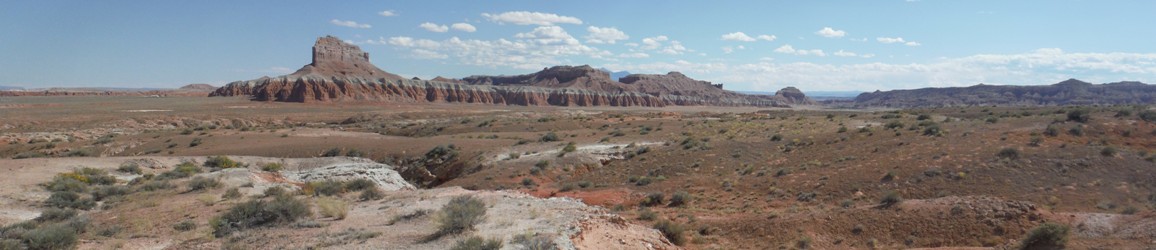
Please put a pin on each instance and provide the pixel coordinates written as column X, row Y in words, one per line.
column 344, row 154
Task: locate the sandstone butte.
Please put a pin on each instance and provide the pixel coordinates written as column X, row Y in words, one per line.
column 342, row 72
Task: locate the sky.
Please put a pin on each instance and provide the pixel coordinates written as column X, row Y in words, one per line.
column 852, row 45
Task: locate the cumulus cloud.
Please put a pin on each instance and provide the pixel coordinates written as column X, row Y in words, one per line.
column 788, row 49
column 464, row 27
column 830, row 33
column 899, row 40
column 845, row 53
column 766, row 37
column 432, row 27
column 653, row 42
column 608, row 35
column 387, row 13
column 738, row 36
column 634, row 55
column 663, row 45
column 544, row 46
column 350, row 24
column 531, row 18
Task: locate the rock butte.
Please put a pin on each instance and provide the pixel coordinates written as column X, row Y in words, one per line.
column 342, row 72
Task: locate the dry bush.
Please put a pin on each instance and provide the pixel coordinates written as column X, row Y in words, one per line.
column 332, row 207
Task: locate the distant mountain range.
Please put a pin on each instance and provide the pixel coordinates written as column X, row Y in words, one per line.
column 818, row 95
column 10, row 88
column 1069, row 92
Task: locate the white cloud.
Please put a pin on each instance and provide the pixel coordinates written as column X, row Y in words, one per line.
column 788, row 49
column 634, row 55
column 766, row 37
column 653, row 42
column 890, row 40
column 542, row 47
column 845, row 53
column 432, row 27
column 830, row 33
column 675, row 48
column 738, row 36
column 663, row 45
column 912, row 44
column 531, row 18
column 387, row 13
column 549, row 35
column 600, row 35
column 350, row 24
column 464, row 27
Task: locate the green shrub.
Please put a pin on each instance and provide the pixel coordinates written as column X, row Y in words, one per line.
column 570, row 147
column 69, row 200
column 55, row 215
column 477, row 243
column 1076, row 131
column 673, row 231
column 101, row 192
column 185, row 169
column 1052, row 131
column 647, row 214
column 62, row 183
column 777, row 137
column 195, row 142
column 1080, row 115
column 543, row 164
column 156, row 185
column 890, row 198
column 653, row 199
column 549, row 137
column 535, row 242
column 893, row 125
column 185, row 225
column 1148, row 115
column 1108, row 151
column 256, row 213
column 585, row 184
column 29, row 154
column 359, row 184
column 272, row 167
column 55, row 236
column 462, row 213
column 333, row 152
column 129, row 168
column 679, row 199
column 1046, row 236
column 370, row 194
column 274, row 191
column 220, row 161
column 355, row 153
column 201, row 183
column 232, row 193
column 933, row 130
column 528, row 182
column 1008, row 153
column 328, row 187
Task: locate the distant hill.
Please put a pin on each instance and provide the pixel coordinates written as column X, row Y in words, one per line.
column 1069, row 92
column 10, row 88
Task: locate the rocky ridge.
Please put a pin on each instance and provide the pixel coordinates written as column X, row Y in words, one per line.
column 1069, row 92
column 342, row 72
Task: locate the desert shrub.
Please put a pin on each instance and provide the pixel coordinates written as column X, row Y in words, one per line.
column 185, row 169
column 195, row 142
column 129, row 168
column 1036, row 141
column 55, row 236
column 477, row 243
column 777, row 137
column 55, row 214
column 442, row 153
column 679, row 199
column 570, row 147
column 549, row 137
column 256, row 213
column 653, row 199
column 534, row 242
column 1108, row 151
column 333, row 152
column 1080, row 115
column 566, row 187
column 221, row 161
column 585, row 184
column 101, row 192
column 272, row 167
column 29, row 154
column 1008, row 153
column 371, row 194
column 355, row 153
column 274, row 191
column 1148, row 115
column 62, row 183
column 1046, row 236
column 842, row 129
column 893, row 125
column 673, row 231
column 992, row 119
column 232, row 193
column 359, row 184
column 933, row 130
column 923, row 117
column 890, row 198
column 327, row 187
column 460, row 215
column 185, row 225
column 1076, row 131
column 201, row 183
column 543, row 164
column 528, row 182
column 155, row 185
column 846, row 203
column 69, row 200
column 332, row 207
column 1052, row 131
column 647, row 214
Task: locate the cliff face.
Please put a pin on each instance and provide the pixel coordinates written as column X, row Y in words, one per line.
column 342, row 72
column 1069, row 92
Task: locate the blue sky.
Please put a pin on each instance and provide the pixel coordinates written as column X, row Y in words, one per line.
column 747, row 45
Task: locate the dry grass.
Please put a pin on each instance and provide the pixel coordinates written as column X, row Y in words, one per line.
column 332, row 207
